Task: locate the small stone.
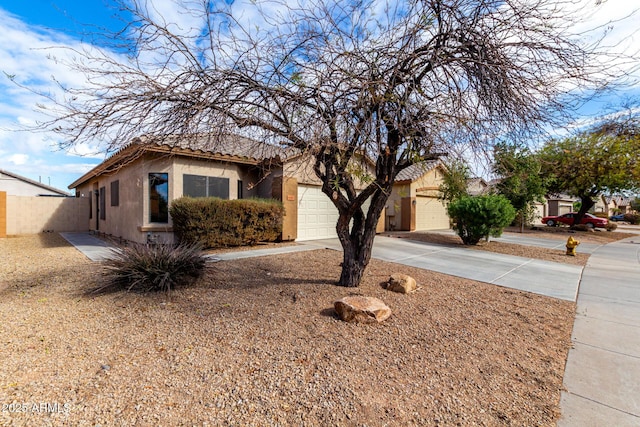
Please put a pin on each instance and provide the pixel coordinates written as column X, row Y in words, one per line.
column 401, row 283
column 361, row 309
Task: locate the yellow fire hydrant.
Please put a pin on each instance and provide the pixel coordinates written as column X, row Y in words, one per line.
column 571, row 246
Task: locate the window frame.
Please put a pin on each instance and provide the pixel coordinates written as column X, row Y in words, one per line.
column 162, row 215
column 209, row 186
column 103, row 202
column 115, row 193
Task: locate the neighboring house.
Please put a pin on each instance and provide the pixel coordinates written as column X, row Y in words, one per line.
column 414, row 203
column 559, row 204
column 131, row 191
column 16, row 185
column 618, row 204
column 477, row 186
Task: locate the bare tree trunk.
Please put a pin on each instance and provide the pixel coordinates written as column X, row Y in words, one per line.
column 357, row 242
column 356, row 256
column 587, row 204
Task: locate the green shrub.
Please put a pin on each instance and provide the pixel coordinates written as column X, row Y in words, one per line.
column 213, row 222
column 477, row 217
column 146, row 268
column 601, row 214
column 632, row 218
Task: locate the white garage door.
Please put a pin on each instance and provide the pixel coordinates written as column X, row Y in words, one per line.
column 317, row 216
column 431, row 214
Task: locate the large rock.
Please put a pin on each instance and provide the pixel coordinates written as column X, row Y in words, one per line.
column 401, row 283
column 362, row 309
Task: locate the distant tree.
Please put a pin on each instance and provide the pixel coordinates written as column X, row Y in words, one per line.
column 332, row 79
column 602, row 159
column 519, row 179
column 454, row 181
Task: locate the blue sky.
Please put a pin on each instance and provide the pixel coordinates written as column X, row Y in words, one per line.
column 30, row 30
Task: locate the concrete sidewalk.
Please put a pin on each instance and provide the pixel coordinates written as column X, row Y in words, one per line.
column 93, row 248
column 602, row 375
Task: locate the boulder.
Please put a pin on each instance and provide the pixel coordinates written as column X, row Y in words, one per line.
column 401, row 283
column 361, row 309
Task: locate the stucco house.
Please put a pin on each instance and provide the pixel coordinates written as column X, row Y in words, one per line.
column 617, row 204
column 414, row 204
column 477, row 186
column 130, row 192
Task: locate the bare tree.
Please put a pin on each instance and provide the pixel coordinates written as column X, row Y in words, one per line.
column 400, row 81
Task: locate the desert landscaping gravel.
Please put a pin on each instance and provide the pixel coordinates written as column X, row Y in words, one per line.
column 256, row 343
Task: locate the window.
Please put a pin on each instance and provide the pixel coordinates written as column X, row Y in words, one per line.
column 103, row 210
column 240, row 189
column 159, row 197
column 205, row 186
column 115, row 193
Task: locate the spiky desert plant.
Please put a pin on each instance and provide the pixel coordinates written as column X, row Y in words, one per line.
column 148, row 268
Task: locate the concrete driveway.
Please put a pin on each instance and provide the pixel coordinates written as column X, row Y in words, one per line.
column 542, row 277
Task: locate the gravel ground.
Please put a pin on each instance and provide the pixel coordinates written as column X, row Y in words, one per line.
column 256, row 343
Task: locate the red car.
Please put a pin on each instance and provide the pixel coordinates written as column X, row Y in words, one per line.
column 588, row 219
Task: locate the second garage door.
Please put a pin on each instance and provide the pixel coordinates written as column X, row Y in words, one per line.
column 431, row 214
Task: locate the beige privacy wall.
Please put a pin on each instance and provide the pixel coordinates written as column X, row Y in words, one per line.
column 31, row 215
column 3, row 214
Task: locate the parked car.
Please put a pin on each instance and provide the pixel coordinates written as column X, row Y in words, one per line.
column 619, row 217
column 568, row 218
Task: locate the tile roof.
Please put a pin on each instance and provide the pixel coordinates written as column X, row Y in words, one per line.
column 224, row 145
column 416, row 170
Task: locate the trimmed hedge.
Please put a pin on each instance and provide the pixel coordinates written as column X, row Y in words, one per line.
column 214, row 222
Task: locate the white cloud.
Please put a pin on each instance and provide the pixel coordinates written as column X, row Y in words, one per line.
column 18, row 159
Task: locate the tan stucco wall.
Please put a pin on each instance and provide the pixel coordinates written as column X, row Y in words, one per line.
column 301, row 168
column 130, row 220
column 31, row 215
column 234, row 172
column 426, row 185
column 3, row 214
column 286, row 190
column 125, row 219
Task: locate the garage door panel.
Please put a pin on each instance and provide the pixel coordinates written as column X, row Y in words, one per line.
column 317, row 216
column 431, row 214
